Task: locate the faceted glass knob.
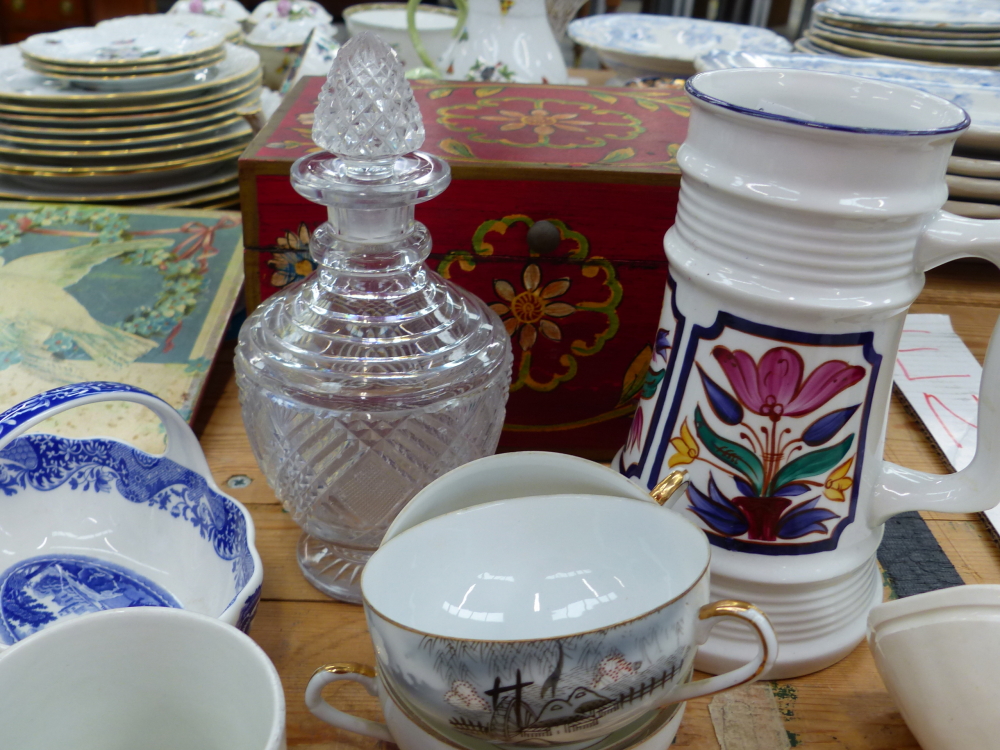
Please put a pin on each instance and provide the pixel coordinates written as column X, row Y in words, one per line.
column 366, row 109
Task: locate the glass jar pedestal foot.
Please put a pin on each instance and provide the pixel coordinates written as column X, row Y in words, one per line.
column 333, row 569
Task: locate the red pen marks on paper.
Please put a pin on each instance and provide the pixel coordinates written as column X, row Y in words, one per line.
column 930, row 398
column 926, row 377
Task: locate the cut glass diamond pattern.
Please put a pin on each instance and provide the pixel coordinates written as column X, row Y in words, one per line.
column 366, row 107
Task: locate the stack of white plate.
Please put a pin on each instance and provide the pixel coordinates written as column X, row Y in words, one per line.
column 642, row 44
column 974, row 169
column 956, row 32
column 139, row 111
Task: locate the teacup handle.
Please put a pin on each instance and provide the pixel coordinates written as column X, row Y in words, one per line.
column 948, row 237
column 359, row 673
column 182, row 445
column 750, row 671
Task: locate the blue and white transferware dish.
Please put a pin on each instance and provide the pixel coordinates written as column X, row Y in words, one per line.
column 638, row 44
column 966, row 15
column 95, row 524
column 976, row 90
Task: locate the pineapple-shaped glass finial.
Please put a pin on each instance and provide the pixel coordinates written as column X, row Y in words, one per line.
column 366, row 108
column 373, row 376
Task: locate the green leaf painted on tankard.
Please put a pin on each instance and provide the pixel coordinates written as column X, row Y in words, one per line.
column 812, row 464
column 730, row 453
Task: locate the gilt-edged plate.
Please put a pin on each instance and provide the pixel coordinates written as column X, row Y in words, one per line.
column 973, row 188
column 133, row 41
column 245, row 100
column 118, row 188
column 101, row 153
column 43, row 167
column 638, row 44
column 22, row 87
column 973, row 210
column 230, row 30
column 975, row 90
column 971, row 166
column 77, row 139
column 975, row 53
column 972, row 15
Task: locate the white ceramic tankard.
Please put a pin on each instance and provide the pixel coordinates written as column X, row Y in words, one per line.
column 809, row 211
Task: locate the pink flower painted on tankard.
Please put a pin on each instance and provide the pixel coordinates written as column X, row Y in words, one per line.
column 774, row 388
column 772, row 463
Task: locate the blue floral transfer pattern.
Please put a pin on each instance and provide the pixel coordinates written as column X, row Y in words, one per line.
column 45, row 589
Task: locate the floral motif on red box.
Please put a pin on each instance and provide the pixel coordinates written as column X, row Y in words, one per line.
column 555, row 316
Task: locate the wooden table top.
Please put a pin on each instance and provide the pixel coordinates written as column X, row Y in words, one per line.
column 845, row 706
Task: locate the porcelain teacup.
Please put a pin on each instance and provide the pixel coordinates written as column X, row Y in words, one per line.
column 653, row 731
column 555, row 619
column 147, row 677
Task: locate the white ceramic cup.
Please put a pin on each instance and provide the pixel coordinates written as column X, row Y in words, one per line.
column 938, row 654
column 435, row 24
column 557, row 619
column 149, row 678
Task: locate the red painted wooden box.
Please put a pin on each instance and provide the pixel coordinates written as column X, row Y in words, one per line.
column 582, row 309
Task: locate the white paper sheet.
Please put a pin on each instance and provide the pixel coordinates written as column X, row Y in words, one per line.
column 939, row 377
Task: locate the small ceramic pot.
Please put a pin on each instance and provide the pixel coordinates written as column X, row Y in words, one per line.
column 95, row 524
column 279, row 33
column 140, row 678
column 436, row 26
column 654, row 731
column 590, row 625
column 938, row 654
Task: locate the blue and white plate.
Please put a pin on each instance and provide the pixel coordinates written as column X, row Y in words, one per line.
column 95, row 524
column 638, row 44
column 977, row 90
column 968, row 15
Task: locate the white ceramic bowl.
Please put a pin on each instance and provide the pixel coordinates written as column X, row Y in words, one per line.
column 938, row 654
column 435, row 24
column 552, row 619
column 95, row 524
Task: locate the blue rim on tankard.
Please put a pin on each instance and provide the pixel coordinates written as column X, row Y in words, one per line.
column 553, row 619
column 96, row 524
column 809, row 210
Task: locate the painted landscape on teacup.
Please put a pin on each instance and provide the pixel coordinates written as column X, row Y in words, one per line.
column 769, row 423
column 541, row 692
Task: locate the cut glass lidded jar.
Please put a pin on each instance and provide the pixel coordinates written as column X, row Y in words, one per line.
column 373, row 376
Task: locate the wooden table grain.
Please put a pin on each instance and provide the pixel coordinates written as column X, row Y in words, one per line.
column 842, row 707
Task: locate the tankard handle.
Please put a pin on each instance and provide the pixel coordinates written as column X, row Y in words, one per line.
column 708, row 617
column 948, row 237
column 359, row 673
